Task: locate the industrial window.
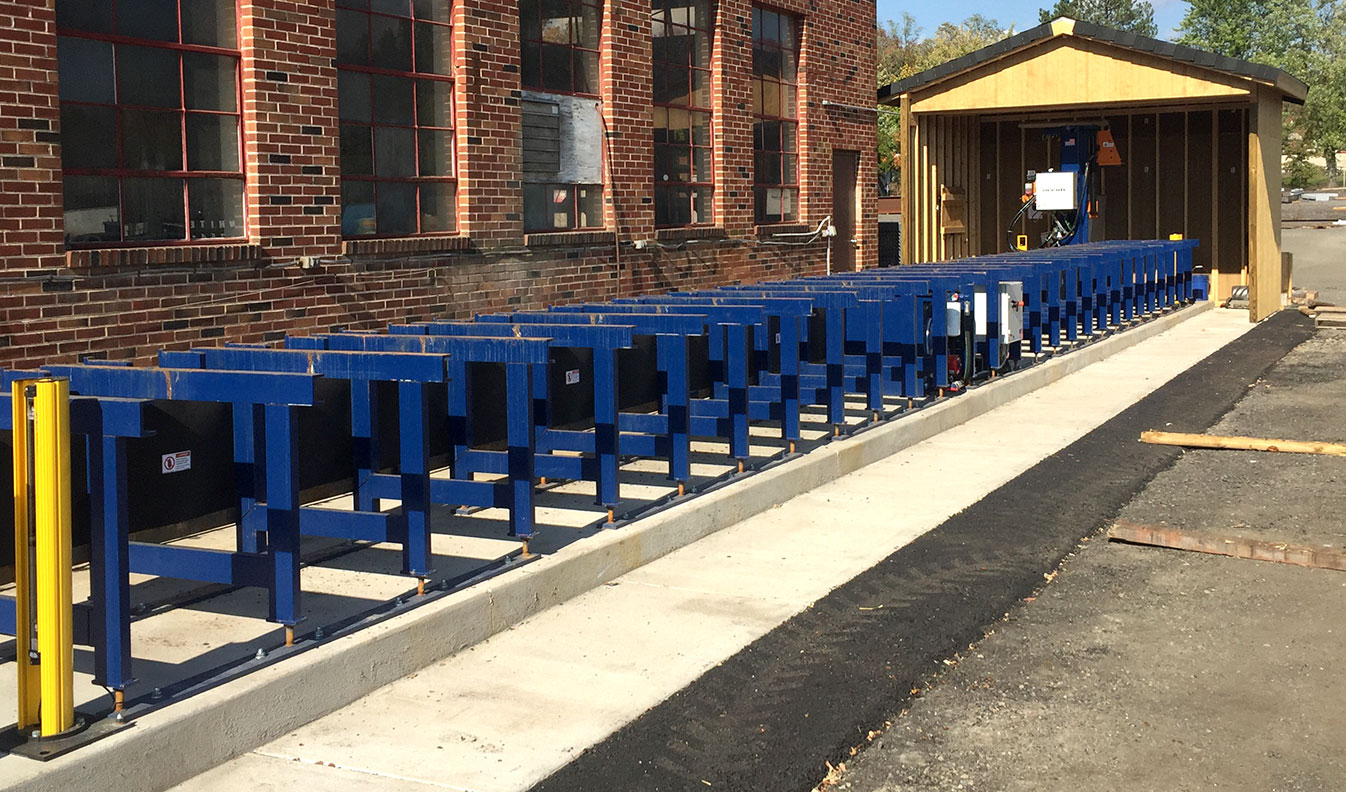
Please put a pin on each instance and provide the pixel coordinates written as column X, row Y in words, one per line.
column 559, row 52
column 775, row 61
column 558, row 207
column 395, row 101
column 683, row 183
column 149, row 93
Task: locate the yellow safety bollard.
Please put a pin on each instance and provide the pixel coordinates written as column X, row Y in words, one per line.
column 42, row 556
column 30, row 691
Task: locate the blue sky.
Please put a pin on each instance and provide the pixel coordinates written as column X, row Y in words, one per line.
column 1022, row 13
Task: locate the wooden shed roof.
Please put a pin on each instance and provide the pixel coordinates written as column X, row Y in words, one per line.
column 1184, row 59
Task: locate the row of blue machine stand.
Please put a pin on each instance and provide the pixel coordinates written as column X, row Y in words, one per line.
column 758, row 354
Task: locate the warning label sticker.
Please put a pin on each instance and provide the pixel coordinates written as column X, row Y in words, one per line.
column 573, row 377
column 176, row 462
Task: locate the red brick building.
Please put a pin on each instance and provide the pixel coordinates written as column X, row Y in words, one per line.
column 178, row 171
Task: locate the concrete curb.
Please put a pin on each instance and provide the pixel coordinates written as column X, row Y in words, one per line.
column 181, row 741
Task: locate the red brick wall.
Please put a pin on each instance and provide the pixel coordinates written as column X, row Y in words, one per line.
column 30, row 122
column 128, row 303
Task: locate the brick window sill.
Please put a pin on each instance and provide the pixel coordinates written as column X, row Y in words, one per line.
column 769, row 230
column 568, row 238
column 422, row 244
column 689, row 233
column 88, row 258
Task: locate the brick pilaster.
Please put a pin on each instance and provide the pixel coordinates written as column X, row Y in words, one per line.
column 490, row 159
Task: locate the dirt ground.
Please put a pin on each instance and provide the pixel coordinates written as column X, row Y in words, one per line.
column 1147, row 669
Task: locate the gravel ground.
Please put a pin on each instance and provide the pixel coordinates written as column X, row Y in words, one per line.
column 1147, row 669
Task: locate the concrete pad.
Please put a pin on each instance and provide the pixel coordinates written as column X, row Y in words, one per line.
column 177, row 741
column 512, row 710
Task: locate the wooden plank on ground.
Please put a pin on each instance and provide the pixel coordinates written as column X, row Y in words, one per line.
column 1242, row 443
column 1233, row 546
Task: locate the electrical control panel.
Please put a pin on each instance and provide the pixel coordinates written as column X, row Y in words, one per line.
column 1011, row 312
column 1056, row 191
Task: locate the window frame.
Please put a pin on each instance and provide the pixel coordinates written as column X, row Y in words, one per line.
column 415, row 127
column 120, row 173
column 596, row 51
column 793, row 187
column 691, row 108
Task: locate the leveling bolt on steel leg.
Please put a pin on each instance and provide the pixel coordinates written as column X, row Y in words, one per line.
column 118, row 700
column 682, row 488
column 526, row 552
column 792, row 446
column 289, row 635
column 740, row 466
column 420, row 587
column 611, row 516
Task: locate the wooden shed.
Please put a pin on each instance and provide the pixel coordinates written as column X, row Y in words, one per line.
column 1199, row 136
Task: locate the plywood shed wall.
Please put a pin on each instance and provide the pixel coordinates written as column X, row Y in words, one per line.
column 1199, row 136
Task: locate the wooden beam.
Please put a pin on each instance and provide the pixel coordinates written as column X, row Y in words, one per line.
column 1232, row 546
column 1242, row 443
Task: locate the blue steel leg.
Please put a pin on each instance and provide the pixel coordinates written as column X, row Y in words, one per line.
column 282, row 512
column 1072, row 320
column 459, row 428
column 836, row 366
column 520, row 439
column 364, row 437
column 873, row 318
column 605, row 426
column 248, row 435
column 737, row 354
column 1034, row 296
column 413, row 443
column 672, row 353
column 1054, row 318
column 109, row 562
column 789, row 378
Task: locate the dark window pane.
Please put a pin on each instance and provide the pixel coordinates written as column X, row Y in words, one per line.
column 394, row 100
column 211, row 82
column 88, row 136
column 434, row 49
column 394, row 152
column 212, row 142
column 357, row 150
column 357, row 208
column 586, row 72
column 352, row 34
column 589, row 202
column 701, row 129
column 147, row 19
column 585, row 29
column 396, row 204
column 85, row 71
column 701, row 88
column 439, row 203
column 434, row 103
column 703, row 207
column 361, row 4
column 436, row 153
column 147, row 76
column 771, row 98
column 151, row 140
column 756, row 96
column 153, row 209
column 788, row 137
column 77, row 15
column 209, row 22
column 556, row 68
column 530, row 67
column 676, row 88
column 556, row 21
column 768, row 168
column 216, row 206
column 399, row 7
column 435, row 10
column 352, row 96
column 530, row 21
column 536, row 207
column 789, row 174
column 391, row 43
column 91, row 209
column 701, row 165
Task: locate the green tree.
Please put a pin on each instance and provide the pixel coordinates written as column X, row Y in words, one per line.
column 1305, row 38
column 902, row 52
column 1136, row 16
